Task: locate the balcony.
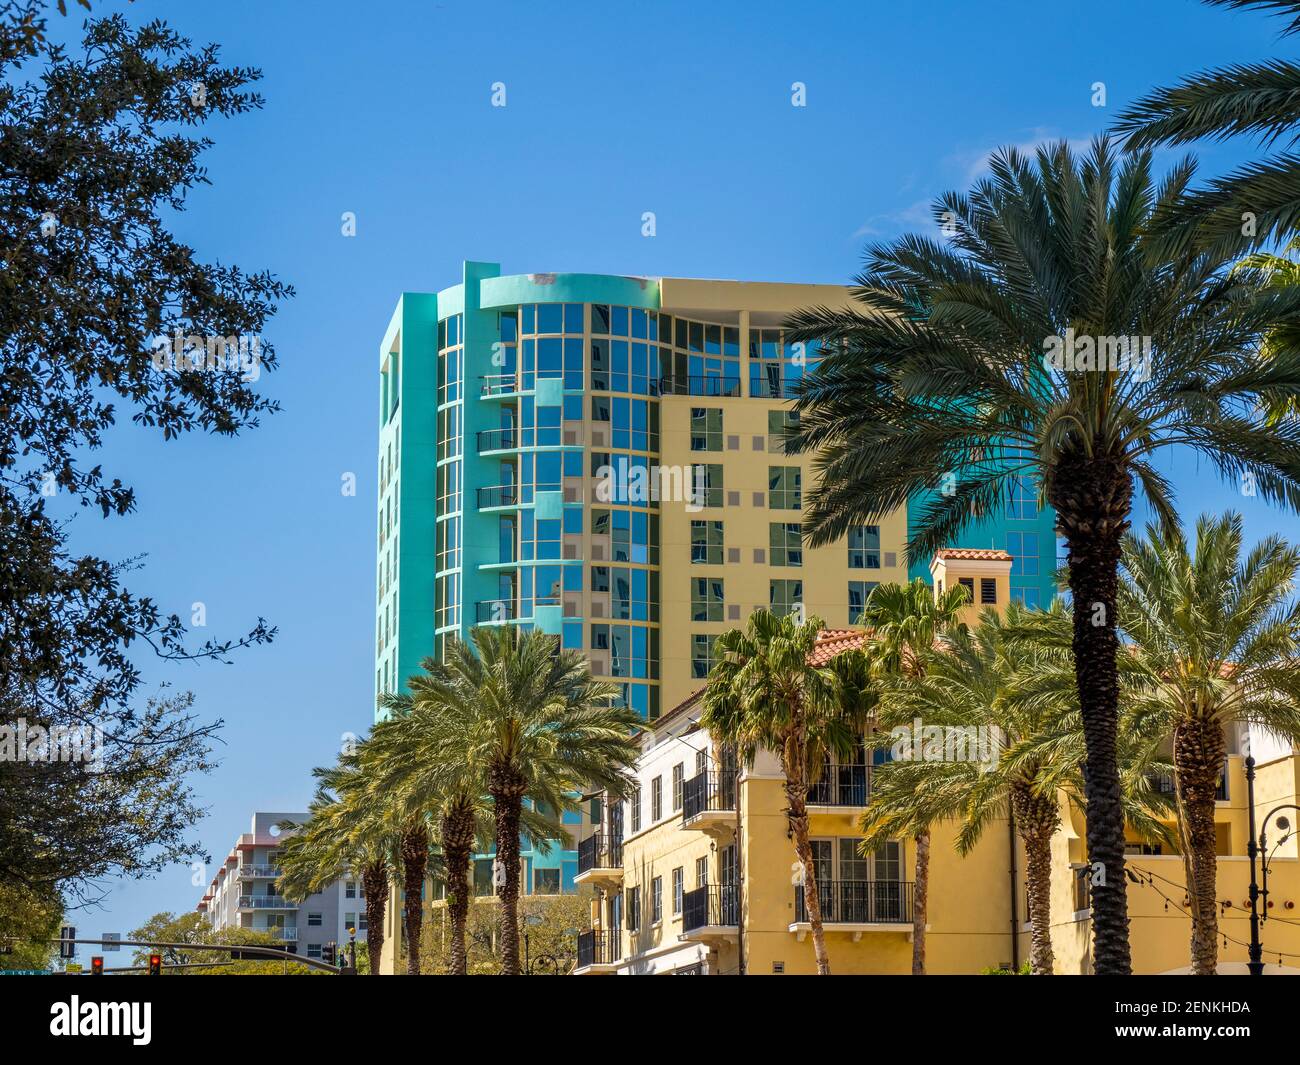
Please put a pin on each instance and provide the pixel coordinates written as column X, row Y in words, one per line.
column 699, row 386
column 259, row 872
column 600, row 861
column 497, row 440
column 286, row 935
column 709, row 803
column 599, row 952
column 489, row 611
column 499, row 384
column 266, row 902
column 498, row 495
column 513, row 439
column 1164, row 783
column 842, row 785
column 857, row 906
column 711, row 913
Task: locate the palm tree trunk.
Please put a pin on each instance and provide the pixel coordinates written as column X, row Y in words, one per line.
column 1198, row 758
column 374, row 882
column 1093, row 510
column 415, row 859
column 507, row 793
column 796, row 795
column 457, row 846
column 920, row 896
column 1037, row 819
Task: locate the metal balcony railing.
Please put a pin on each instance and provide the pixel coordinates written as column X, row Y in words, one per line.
column 499, row 384
column 714, row 905
column 255, row 872
column 763, row 387
column 708, row 791
column 1164, row 783
column 289, row 935
column 860, row 902
column 600, row 852
column 699, row 386
column 842, row 784
column 498, row 495
column 512, row 609
column 266, row 902
column 497, row 439
column 599, row 948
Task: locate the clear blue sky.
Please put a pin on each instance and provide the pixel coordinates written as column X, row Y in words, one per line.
column 613, row 109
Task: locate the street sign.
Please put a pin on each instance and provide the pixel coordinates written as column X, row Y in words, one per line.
column 72, row 967
column 112, row 941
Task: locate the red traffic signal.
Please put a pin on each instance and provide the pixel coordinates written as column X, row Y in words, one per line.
column 155, row 965
column 96, row 966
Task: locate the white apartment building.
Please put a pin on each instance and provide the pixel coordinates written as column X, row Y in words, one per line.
column 243, row 894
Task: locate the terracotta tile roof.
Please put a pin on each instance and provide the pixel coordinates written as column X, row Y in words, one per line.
column 973, row 554
column 830, row 642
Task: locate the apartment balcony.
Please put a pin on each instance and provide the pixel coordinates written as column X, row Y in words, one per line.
column 857, row 907
column 1164, row 783
column 498, row 497
column 699, row 386
column 503, row 441
column 599, row 952
column 285, row 935
column 711, row 914
column 259, row 872
column 266, row 902
column 499, row 611
column 600, row 862
column 709, row 803
column 842, row 785
column 501, row 386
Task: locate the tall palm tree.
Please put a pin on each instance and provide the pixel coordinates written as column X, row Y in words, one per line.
column 530, row 724
column 1012, row 676
column 1259, row 201
column 905, row 621
column 344, row 834
column 1215, row 637
column 764, row 692
column 952, row 371
column 422, row 769
column 1283, row 272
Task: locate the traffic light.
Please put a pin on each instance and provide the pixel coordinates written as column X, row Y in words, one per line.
column 96, row 966
column 67, row 948
column 155, row 965
column 327, row 953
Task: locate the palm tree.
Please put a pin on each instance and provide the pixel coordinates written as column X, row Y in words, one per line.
column 528, row 723
column 344, row 834
column 765, row 692
column 1281, row 272
column 1011, row 675
column 905, row 621
column 1215, row 637
column 1261, row 200
column 940, row 377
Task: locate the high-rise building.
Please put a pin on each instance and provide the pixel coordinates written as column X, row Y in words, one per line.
column 602, row 458
column 243, row 894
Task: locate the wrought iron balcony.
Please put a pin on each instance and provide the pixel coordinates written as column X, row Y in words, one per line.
column 708, row 792
column 259, row 872
column 600, row 852
column 499, row 384
column 711, row 906
column 599, row 948
column 699, row 386
column 498, row 495
column 859, row 902
column 498, row 439
column 842, row 784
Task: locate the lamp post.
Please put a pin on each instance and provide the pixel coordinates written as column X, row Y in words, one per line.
column 1255, row 966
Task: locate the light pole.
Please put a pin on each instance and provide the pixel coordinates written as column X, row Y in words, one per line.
column 1255, row 966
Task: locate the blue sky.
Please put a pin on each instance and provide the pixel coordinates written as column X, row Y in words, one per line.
column 683, row 109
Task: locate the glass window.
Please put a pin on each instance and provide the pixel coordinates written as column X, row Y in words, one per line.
column 706, row 599
column 706, row 429
column 701, row 655
column 679, row 778
column 785, row 542
column 701, row 872
column 864, row 547
column 706, row 543
column 859, row 592
column 546, row 881
column 785, row 596
column 784, row 487
column 1024, row 498
column 708, row 485
column 1023, row 549
column 634, row 811
column 678, row 881
column 315, row 920
column 657, row 900
column 656, row 799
